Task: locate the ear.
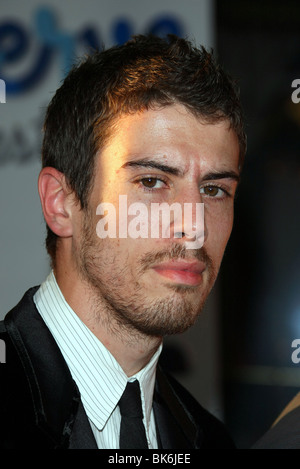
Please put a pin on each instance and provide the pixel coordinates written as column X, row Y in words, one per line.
column 57, row 201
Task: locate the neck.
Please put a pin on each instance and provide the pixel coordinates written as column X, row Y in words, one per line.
column 131, row 348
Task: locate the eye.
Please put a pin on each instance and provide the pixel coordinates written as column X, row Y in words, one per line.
column 213, row 191
column 152, row 183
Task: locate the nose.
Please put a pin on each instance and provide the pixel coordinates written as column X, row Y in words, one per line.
column 188, row 223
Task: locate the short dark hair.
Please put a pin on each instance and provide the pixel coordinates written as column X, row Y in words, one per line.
column 145, row 72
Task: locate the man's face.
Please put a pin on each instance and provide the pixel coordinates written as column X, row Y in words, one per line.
column 158, row 285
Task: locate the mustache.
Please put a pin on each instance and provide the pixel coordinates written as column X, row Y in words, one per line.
column 175, row 252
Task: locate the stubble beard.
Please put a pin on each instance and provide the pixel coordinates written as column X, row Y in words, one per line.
column 119, row 297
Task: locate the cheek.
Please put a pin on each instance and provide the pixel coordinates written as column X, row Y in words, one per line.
column 219, row 227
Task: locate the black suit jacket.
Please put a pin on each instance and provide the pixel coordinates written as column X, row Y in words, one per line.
column 285, row 431
column 284, row 435
column 40, row 405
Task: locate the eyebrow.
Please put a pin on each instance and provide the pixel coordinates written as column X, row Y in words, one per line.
column 212, row 175
column 221, row 175
column 145, row 163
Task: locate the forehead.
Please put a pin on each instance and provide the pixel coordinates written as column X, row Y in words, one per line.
column 171, row 135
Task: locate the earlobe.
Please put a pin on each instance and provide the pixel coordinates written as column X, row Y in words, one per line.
column 55, row 199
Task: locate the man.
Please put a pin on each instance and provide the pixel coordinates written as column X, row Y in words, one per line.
column 151, row 122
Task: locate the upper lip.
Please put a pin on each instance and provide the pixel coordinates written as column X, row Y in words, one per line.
column 193, row 266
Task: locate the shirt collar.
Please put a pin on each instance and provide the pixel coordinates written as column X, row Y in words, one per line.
column 99, row 377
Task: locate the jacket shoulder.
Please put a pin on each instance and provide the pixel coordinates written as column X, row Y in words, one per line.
column 16, row 406
column 33, row 368
column 285, row 434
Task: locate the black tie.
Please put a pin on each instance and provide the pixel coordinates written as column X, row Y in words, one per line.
column 132, row 433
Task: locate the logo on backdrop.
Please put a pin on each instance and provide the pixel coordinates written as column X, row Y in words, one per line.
column 17, row 41
column 30, row 51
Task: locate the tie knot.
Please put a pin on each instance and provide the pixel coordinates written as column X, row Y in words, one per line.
column 130, row 403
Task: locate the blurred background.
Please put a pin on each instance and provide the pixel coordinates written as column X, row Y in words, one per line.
column 238, row 361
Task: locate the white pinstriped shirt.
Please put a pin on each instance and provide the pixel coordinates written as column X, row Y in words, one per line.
column 100, row 379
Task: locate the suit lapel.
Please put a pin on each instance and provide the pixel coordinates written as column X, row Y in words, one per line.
column 82, row 436
column 175, row 426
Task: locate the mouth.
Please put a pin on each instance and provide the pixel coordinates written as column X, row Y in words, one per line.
column 182, row 272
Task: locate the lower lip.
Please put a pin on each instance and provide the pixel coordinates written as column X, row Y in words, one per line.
column 183, row 277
